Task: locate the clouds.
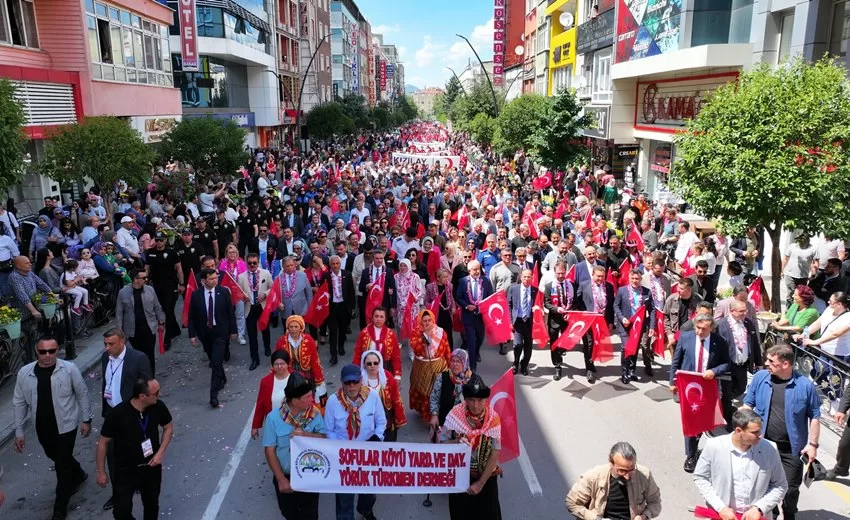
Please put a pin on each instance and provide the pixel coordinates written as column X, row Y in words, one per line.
column 386, row 29
column 434, row 55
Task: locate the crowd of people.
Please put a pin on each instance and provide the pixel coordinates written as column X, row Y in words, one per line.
column 251, row 253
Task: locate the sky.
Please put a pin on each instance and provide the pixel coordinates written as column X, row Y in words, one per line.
column 425, row 34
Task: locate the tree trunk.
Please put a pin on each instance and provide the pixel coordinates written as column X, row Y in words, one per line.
column 775, row 268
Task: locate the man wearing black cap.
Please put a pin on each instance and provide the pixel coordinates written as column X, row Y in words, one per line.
column 190, row 253
column 297, row 416
column 474, row 422
column 165, row 275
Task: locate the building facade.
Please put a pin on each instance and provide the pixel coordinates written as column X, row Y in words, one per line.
column 345, row 55
column 315, row 60
column 424, row 100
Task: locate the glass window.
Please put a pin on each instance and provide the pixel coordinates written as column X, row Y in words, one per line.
column 90, row 6
column 29, row 23
column 4, row 36
column 149, row 52
column 104, row 38
column 146, row 25
column 108, row 72
column 601, row 86
column 100, row 9
column 786, row 28
column 838, row 32
column 138, row 49
column 127, row 38
column 120, row 74
column 741, row 21
column 157, row 54
column 125, row 17
column 91, row 33
column 115, row 36
column 137, row 22
column 113, row 14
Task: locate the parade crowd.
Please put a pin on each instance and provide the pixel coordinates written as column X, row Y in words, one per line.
column 344, row 242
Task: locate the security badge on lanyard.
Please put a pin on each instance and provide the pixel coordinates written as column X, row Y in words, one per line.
column 107, row 390
column 147, row 446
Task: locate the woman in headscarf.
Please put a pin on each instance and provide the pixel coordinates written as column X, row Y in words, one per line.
column 448, row 388
column 430, row 258
column 442, row 289
column 379, row 380
column 45, row 233
column 304, row 355
column 272, row 390
column 407, row 282
column 430, row 346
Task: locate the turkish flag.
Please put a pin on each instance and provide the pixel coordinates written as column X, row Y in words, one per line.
column 191, row 285
column 625, row 271
column 457, row 322
column 273, row 230
column 375, row 297
column 543, row 182
column 528, row 220
column 687, row 268
column 674, row 289
column 578, row 325
column 539, row 334
column 497, row 318
column 698, row 403
column 588, row 218
column 562, row 208
column 160, row 334
column 603, row 350
column 334, row 205
column 754, row 293
column 659, row 333
column 635, row 236
column 320, row 307
column 503, row 401
column 635, row 330
column 435, row 305
column 711, row 514
column 535, row 276
column 407, row 320
column 236, row 294
column 271, row 305
column 571, row 274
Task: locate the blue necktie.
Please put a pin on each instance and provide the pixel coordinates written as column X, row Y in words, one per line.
column 525, row 301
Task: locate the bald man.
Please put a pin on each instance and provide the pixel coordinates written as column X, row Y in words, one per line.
column 23, row 284
column 584, row 270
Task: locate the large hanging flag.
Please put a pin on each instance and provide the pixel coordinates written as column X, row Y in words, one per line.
column 191, row 285
column 578, row 323
column 320, row 307
column 635, row 330
column 497, row 318
column 503, row 401
column 699, row 403
column 375, row 297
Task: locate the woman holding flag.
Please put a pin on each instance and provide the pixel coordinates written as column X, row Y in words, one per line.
column 234, row 266
column 430, row 346
column 304, row 356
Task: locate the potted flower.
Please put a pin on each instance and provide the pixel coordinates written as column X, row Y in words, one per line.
column 10, row 321
column 46, row 303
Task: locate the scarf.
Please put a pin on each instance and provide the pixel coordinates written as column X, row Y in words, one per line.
column 458, row 382
column 298, row 421
column 379, row 340
column 287, row 293
column 353, row 409
column 474, row 428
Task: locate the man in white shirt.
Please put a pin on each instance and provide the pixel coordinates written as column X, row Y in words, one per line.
column 124, row 237
column 405, row 243
column 737, row 474
column 796, row 264
column 687, row 239
column 354, row 400
column 360, row 210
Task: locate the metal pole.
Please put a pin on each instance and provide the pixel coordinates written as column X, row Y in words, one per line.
column 301, row 92
column 459, row 82
column 486, row 74
column 507, row 90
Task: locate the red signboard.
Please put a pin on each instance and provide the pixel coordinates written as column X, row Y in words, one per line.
column 188, row 35
column 499, row 26
column 382, row 70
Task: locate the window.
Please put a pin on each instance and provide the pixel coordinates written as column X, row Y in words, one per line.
column 561, row 79
column 17, row 23
column 786, row 29
column 601, row 86
column 838, row 32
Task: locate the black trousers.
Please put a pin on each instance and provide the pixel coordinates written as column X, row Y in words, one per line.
column 522, row 342
column 251, row 324
column 793, row 467
column 628, row 365
column 146, row 479
column 337, row 322
column 214, row 346
column 842, row 454
column 738, row 385
column 474, row 339
column 145, row 342
column 59, row 447
column 361, row 311
column 557, row 355
column 297, row 505
column 587, row 349
column 167, row 296
column 463, row 506
column 444, row 321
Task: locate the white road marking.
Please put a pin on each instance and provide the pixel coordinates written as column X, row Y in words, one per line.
column 217, row 499
column 527, row 471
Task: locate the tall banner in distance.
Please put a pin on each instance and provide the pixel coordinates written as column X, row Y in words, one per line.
column 188, row 35
column 382, row 72
column 499, row 26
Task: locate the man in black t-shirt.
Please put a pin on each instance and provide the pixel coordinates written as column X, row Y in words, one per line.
column 165, row 275
column 133, row 426
column 190, row 253
column 225, row 231
column 206, row 237
column 246, row 229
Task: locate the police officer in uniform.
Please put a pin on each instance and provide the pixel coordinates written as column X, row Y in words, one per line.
column 206, row 238
column 166, row 276
column 224, row 230
column 190, row 253
column 247, row 227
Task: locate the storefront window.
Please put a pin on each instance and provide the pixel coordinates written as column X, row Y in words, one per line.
column 786, row 29
column 601, row 91
column 217, row 84
column 661, row 158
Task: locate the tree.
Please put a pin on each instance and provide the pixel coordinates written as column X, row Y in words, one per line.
column 382, row 116
column 327, row 119
column 519, row 120
column 211, row 146
column 453, row 90
column 354, row 107
column 482, row 129
column 441, row 108
column 771, row 150
column 408, row 108
column 103, row 149
column 12, row 136
column 478, row 99
column 558, row 142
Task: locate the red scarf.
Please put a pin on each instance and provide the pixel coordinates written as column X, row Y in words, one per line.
column 379, row 340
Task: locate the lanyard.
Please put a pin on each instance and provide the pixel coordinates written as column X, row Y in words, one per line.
column 144, row 426
column 112, row 371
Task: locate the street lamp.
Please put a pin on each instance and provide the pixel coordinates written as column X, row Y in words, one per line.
column 458, row 80
column 486, row 74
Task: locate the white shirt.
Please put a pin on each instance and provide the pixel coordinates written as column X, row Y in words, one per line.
column 373, row 419
column 114, row 371
column 336, row 287
column 686, row 241
column 207, row 200
column 8, row 248
column 207, row 294
column 124, row 238
column 706, row 350
column 839, row 346
column 278, row 392
column 742, row 482
column 192, row 208
column 401, row 246
column 361, row 213
column 738, row 330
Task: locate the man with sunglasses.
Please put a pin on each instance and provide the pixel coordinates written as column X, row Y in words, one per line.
column 140, row 314
column 162, row 266
column 256, row 283
column 52, row 391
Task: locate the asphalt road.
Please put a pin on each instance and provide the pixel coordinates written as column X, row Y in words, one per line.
column 213, row 472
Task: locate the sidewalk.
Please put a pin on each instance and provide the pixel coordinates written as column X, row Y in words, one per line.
column 88, row 356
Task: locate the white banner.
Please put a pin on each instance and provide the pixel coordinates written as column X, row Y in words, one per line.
column 333, row 466
column 405, row 159
column 435, row 144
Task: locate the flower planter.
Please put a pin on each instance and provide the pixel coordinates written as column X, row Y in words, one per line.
column 48, row 310
column 13, row 329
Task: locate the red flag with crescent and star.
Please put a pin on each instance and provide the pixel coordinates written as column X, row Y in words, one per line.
column 635, row 236
column 236, row 293
column 687, row 268
column 535, row 276
column 497, row 318
column 271, row 305
column 578, row 323
column 699, row 403
column 635, row 330
column 754, row 293
column 191, row 285
column 408, row 318
column 320, row 307
column 528, row 220
column 659, row 333
column 435, row 305
column 588, row 218
column 375, row 297
column 571, row 274
column 503, row 401
column 539, row 334
column 603, row 350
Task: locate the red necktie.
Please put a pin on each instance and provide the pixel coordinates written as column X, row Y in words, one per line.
column 211, row 310
column 701, row 353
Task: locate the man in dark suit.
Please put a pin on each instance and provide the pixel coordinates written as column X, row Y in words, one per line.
column 315, row 250
column 370, row 275
column 286, row 243
column 705, row 351
column 521, row 298
column 120, row 367
column 584, row 270
column 292, row 221
column 212, row 321
column 263, row 242
column 627, row 302
column 597, row 296
column 471, row 291
column 341, row 288
column 741, row 334
column 558, row 297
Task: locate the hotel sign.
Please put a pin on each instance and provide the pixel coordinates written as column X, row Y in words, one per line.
column 188, row 35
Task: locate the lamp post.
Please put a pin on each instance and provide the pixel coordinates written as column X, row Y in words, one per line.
column 486, row 74
column 459, row 82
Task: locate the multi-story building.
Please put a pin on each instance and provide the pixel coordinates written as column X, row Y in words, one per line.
column 529, row 46
column 364, row 44
column 541, row 45
column 70, row 60
column 315, row 36
column 424, row 100
column 345, row 54
column 562, row 16
column 473, row 73
column 227, row 68
column 509, row 45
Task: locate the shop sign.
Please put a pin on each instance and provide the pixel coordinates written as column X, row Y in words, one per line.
column 154, row 128
column 390, row 70
column 599, row 126
column 596, row 33
column 382, row 71
column 243, row 120
column 661, row 158
column 499, row 31
column 669, row 104
column 188, row 35
column 355, row 76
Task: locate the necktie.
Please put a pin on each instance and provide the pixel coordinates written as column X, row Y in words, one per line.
column 254, row 286
column 525, row 299
column 701, row 353
column 210, row 309
column 474, row 290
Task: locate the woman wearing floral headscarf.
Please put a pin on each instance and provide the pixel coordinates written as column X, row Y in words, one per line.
column 431, row 352
column 448, row 388
column 378, row 379
column 45, row 233
column 304, row 355
column 407, row 282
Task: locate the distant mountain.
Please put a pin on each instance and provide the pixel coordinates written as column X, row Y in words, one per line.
column 411, row 89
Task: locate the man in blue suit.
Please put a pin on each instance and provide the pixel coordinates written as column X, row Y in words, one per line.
column 595, row 295
column 628, row 300
column 584, row 270
column 705, row 351
column 213, row 322
column 521, row 299
column 471, row 291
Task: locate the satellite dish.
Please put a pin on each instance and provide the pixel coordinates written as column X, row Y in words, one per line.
column 522, row 37
column 566, row 20
column 519, row 50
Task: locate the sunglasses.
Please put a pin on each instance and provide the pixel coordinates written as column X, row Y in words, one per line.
column 351, row 383
column 159, row 240
column 372, row 364
column 46, row 351
column 253, row 263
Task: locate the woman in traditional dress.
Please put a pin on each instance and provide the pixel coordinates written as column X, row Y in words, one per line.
column 442, row 289
column 377, row 336
column 379, row 379
column 431, row 351
column 272, row 390
column 447, row 391
column 304, row 355
column 407, row 282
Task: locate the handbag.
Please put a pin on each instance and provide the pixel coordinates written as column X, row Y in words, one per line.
column 5, row 265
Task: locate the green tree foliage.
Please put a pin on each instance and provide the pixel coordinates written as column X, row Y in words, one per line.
column 12, row 137
column 453, row 90
column 354, row 107
column 103, row 149
column 772, row 150
column 210, row 146
column 558, row 142
column 408, row 108
column 519, row 120
column 383, row 117
column 482, row 129
column 441, row 108
column 328, row 119
column 478, row 99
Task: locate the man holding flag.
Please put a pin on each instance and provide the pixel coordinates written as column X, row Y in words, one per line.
column 558, row 296
column 256, row 283
column 521, row 298
column 635, row 319
column 596, row 296
column 471, row 291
